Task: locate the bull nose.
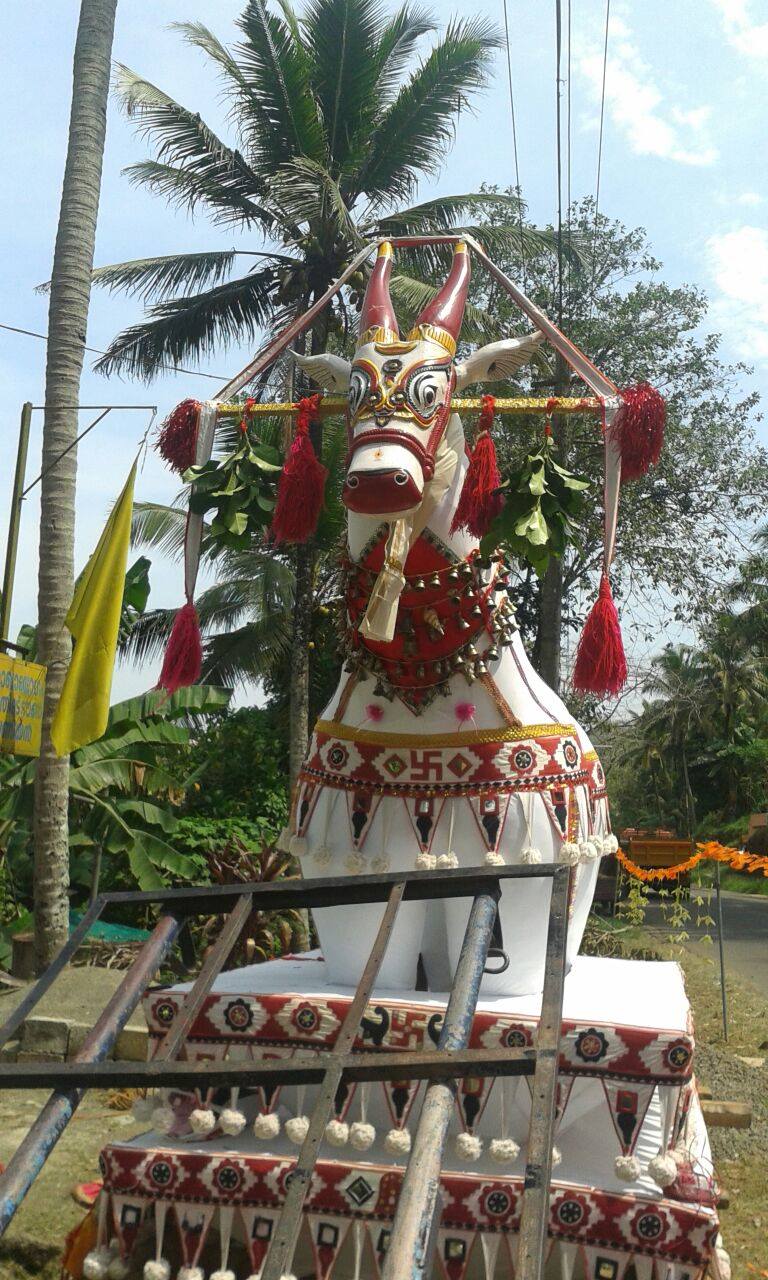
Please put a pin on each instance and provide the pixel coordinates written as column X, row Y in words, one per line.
column 373, row 492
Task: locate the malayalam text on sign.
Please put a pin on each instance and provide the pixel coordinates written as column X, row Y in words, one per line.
column 22, row 685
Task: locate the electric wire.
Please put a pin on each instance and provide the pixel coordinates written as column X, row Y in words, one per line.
column 514, row 146
column 559, row 149
column 599, row 165
column 569, row 197
column 168, row 368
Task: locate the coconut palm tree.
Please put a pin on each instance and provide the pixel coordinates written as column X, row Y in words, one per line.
column 334, row 124
column 67, row 322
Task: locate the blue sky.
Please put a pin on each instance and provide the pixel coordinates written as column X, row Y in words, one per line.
column 684, row 156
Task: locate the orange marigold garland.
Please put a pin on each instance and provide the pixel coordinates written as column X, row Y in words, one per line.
column 710, row 851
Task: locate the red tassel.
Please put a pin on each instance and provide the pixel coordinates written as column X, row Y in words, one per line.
column 302, row 482
column 639, row 429
column 479, row 501
column 601, row 666
column 183, row 658
column 177, row 438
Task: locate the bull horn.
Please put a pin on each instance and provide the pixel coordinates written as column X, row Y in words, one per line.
column 441, row 318
column 378, row 322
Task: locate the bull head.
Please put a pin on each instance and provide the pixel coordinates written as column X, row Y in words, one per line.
column 400, row 390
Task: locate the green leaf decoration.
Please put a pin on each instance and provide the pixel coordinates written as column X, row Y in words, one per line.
column 542, row 500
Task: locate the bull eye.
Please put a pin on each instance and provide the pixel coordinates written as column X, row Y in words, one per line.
column 359, row 388
column 424, row 390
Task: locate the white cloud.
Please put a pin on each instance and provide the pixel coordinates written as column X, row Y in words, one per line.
column 738, row 263
column 743, row 199
column 741, row 30
column 652, row 125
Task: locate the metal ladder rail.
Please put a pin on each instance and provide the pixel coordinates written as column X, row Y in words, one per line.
column 164, row 1069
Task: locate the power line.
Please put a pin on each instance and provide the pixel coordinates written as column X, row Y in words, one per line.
column 569, row 197
column 514, row 144
column 559, row 130
column 599, row 160
column 169, row 368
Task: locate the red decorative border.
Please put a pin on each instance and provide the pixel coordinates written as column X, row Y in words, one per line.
column 587, row 1048
column 656, row 1228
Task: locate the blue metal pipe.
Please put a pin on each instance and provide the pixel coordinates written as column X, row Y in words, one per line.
column 27, row 1161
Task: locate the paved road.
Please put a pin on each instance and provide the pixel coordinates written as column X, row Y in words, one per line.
column 745, row 931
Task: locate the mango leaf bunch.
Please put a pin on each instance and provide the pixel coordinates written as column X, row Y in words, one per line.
column 542, row 503
column 239, row 488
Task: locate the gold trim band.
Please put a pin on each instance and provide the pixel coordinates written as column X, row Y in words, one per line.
column 433, row 333
column 351, row 733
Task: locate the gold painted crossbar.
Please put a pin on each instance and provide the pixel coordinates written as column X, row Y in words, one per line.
column 511, row 405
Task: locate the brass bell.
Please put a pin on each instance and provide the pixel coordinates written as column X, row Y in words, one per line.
column 469, row 675
column 444, row 689
column 459, row 664
column 480, row 668
column 463, row 624
column 466, row 570
column 453, row 574
column 437, row 668
column 477, row 611
column 420, row 671
column 419, row 585
column 492, row 654
column 435, row 580
column 471, row 651
column 379, row 690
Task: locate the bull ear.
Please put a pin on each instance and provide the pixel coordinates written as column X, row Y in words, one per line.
column 331, row 372
column 497, row 360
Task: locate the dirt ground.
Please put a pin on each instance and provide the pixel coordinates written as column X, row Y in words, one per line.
column 31, row 1249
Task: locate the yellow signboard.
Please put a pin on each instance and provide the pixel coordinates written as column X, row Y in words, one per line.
column 22, row 685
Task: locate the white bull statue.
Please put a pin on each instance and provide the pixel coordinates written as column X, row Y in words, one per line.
column 441, row 747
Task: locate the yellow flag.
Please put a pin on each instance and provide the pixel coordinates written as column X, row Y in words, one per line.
column 94, row 620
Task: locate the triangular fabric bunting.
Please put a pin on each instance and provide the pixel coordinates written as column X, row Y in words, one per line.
column 127, row 1215
column 454, row 1249
column 361, row 808
column 328, row 1236
column 490, row 1247
column 627, row 1104
column 192, row 1224
column 258, row 1228
column 424, row 816
column 567, row 1253
column 644, row 1267
column 400, row 1096
column 605, row 1264
column 490, row 814
column 472, row 1098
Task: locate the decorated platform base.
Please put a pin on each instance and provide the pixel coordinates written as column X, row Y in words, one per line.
column 632, row 1183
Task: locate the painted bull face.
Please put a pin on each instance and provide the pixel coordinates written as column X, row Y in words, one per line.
column 399, row 392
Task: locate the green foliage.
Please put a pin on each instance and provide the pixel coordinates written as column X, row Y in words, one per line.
column 243, row 779
column 542, row 502
column 239, row 489
column 125, row 790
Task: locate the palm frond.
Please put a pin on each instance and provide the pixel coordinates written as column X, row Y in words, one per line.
column 182, row 139
column 339, row 36
column 160, row 277
column 275, row 68
column 186, row 189
column 156, row 525
column 193, row 326
column 308, row 193
column 148, row 638
column 413, row 135
column 396, row 46
column 446, row 212
column 248, row 654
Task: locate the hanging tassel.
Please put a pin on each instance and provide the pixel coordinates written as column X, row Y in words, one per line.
column 638, row 428
column 601, row 666
column 480, row 502
column 302, row 482
column 177, row 438
column 183, row 658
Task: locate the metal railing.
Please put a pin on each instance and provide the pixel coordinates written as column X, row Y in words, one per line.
column 414, row 1233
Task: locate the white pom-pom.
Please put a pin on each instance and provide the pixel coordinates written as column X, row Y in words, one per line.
column 96, row 1264
column 503, row 1150
column 114, row 1247
column 323, row 856
column 118, row 1269
column 296, row 1129
column 143, row 1109
column 468, row 1146
column 569, row 853
column 426, row 862
column 361, row 1135
column 232, row 1122
column 380, row 864
column 627, row 1168
column 493, row 859
column 298, row 849
column 447, row 861
column 202, row 1120
column 222, row 1274
column 398, row 1142
column 190, row 1273
column 530, row 856
column 355, row 864
column 157, row 1270
column 283, row 842
column 663, row 1169
column 557, row 1157
column 163, row 1119
column 337, row 1133
column 266, row 1125
column 596, row 845
column 610, row 845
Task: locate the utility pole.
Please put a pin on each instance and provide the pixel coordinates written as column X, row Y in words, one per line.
column 14, row 521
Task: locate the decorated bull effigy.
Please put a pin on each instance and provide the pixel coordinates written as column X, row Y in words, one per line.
column 440, row 748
